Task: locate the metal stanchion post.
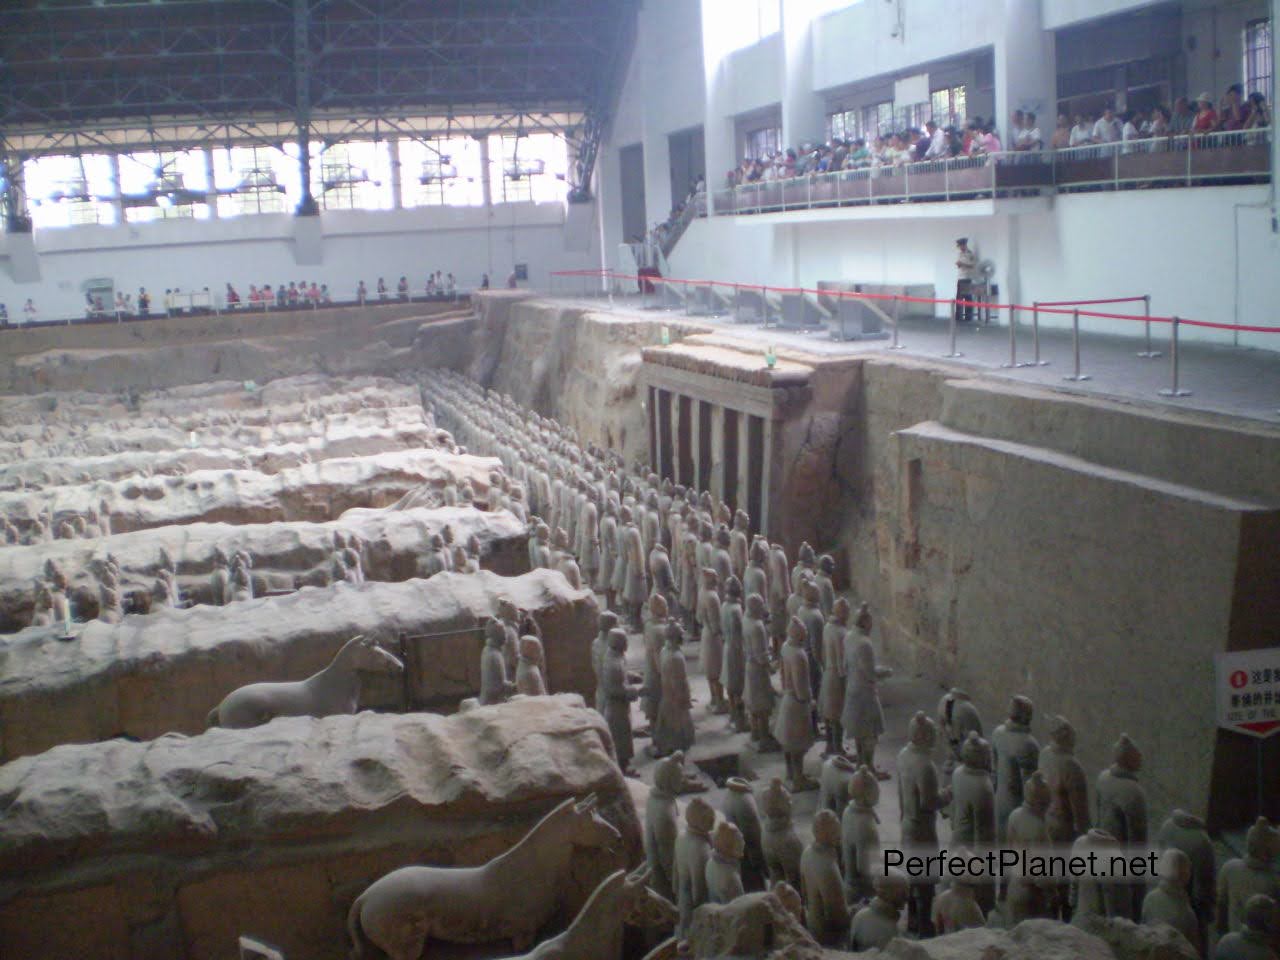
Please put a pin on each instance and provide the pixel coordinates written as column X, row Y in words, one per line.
column 737, row 308
column 1173, row 390
column 955, row 307
column 1035, row 337
column 686, row 298
column 1013, row 338
column 1075, row 347
column 895, row 345
column 1147, row 352
column 764, row 306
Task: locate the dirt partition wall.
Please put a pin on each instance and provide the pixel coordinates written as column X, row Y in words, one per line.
column 172, row 849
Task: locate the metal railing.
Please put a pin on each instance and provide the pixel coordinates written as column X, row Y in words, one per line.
column 1188, row 160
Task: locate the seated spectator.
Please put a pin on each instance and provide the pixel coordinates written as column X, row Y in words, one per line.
column 98, row 306
column 324, row 294
column 1256, row 114
column 293, row 293
column 1159, row 125
column 1183, row 117
column 938, row 148
column 1129, row 132
column 1106, row 129
column 1029, row 137
column 1232, row 113
column 402, row 288
column 282, row 296
column 29, row 310
column 313, row 294
column 254, row 296
column 1082, row 132
column 972, row 133
column 1206, row 120
column 1061, row 133
column 788, row 164
column 859, row 156
column 382, row 289
column 144, row 302
column 1015, row 131
column 991, row 140
column 233, row 298
column 361, row 292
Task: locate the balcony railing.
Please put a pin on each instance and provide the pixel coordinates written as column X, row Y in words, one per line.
column 1203, row 159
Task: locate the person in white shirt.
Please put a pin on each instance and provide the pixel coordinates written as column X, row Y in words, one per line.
column 1015, row 131
column 1129, row 131
column 1029, row 137
column 1081, row 133
column 1107, row 127
column 937, row 142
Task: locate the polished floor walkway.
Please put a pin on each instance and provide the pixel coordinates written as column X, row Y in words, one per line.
column 1221, row 379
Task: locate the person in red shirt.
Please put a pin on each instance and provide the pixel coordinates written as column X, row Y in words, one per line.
column 1206, row 117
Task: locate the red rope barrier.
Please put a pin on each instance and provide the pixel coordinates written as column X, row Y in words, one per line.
column 1082, row 303
column 1050, row 307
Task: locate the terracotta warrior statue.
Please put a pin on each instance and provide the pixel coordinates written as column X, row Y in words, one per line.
column 1186, row 832
column 756, row 577
column 920, row 797
column 956, row 908
column 793, row 726
column 739, row 542
column 1027, row 897
column 1122, row 812
column 1017, row 754
column 563, row 560
column 779, row 591
column 606, row 621
column 958, row 717
column 1252, row 941
column 712, row 652
column 1089, row 896
column 863, row 718
column 674, row 730
column 724, row 866
column 779, row 840
column 541, row 556
column 529, row 680
column 758, row 694
column 860, row 835
column 826, row 588
column 661, row 823
column 821, row 886
column 973, row 805
column 494, row 686
column 618, row 695
column 655, row 635
column 693, row 850
column 806, row 565
column 110, row 609
column 1242, row 878
column 831, row 694
column 733, row 664
column 877, row 923
column 1169, row 901
column 833, row 783
column 1068, row 814
column 739, row 808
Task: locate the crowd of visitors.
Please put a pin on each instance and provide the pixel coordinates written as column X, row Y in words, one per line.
column 980, row 138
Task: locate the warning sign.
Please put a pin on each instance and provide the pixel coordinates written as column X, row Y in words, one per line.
column 1248, row 691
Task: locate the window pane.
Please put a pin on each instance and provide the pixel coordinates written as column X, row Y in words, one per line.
column 442, row 171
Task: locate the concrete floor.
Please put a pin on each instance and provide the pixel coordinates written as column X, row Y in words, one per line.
column 1222, row 379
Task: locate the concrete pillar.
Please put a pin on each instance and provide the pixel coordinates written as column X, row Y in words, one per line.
column 1271, row 99
column 397, row 188
column 803, row 110
column 745, row 466
column 717, row 452
column 211, row 185
column 1025, row 68
column 766, row 480
column 718, row 127
column 485, row 181
column 673, row 468
column 652, row 426
column 117, row 201
column 695, row 440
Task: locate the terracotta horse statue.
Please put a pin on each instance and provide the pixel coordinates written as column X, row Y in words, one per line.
column 511, row 897
column 335, row 689
column 596, row 932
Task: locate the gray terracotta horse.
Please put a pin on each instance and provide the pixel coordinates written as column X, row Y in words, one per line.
column 511, row 897
column 335, row 689
column 596, row 932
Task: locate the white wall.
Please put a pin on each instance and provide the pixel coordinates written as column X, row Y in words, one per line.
column 1084, row 246
column 1066, row 13
column 854, row 44
column 190, row 254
